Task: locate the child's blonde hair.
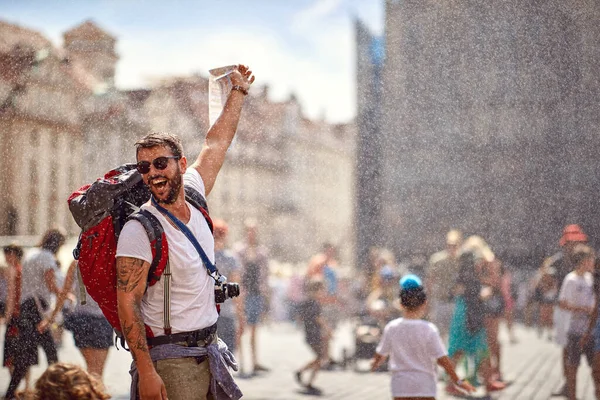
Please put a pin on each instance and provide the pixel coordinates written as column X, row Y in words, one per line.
column 63, row 381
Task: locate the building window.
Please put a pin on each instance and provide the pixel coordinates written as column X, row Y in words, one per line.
column 53, row 203
column 12, row 221
column 34, row 138
column 33, row 213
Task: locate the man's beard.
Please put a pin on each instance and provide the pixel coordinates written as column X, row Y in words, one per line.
column 174, row 187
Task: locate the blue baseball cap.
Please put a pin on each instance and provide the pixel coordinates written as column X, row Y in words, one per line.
column 410, row 281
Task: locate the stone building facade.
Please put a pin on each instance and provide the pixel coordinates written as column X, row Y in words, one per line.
column 41, row 132
column 63, row 123
column 490, row 122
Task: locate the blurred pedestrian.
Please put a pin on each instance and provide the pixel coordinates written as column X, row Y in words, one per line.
column 255, row 285
column 37, row 285
column 509, row 301
column 317, row 333
column 382, row 302
column 92, row 333
column 13, row 254
column 323, row 266
column 440, row 276
column 546, row 297
column 67, row 381
column 230, row 324
column 382, row 259
column 331, row 280
column 414, row 347
column 494, row 309
column 467, row 330
column 563, row 264
column 576, row 297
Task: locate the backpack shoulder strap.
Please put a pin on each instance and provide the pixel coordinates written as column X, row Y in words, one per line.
column 160, row 251
column 196, row 199
column 160, row 262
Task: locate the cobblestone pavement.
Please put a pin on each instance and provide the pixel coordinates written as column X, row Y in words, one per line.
column 532, row 366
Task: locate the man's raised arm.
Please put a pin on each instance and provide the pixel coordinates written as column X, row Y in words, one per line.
column 221, row 134
column 132, row 276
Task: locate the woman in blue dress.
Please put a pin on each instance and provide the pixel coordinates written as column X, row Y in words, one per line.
column 467, row 330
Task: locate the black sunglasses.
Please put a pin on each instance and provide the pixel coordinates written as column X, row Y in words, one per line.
column 161, row 163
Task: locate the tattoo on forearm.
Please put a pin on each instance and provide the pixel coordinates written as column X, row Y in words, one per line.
column 130, row 273
column 135, row 332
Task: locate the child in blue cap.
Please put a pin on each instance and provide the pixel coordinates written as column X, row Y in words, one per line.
column 414, row 347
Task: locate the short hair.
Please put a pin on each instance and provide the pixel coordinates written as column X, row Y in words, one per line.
column 413, row 298
column 581, row 252
column 169, row 140
column 62, row 381
column 15, row 249
column 53, row 239
column 327, row 246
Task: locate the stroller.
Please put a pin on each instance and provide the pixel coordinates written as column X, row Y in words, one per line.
column 367, row 334
column 381, row 307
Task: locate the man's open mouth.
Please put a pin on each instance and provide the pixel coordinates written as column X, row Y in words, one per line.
column 158, row 183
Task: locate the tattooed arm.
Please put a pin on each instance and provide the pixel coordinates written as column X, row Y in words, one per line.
column 132, row 275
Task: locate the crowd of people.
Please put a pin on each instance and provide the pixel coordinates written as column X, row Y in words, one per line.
column 466, row 293
column 32, row 280
column 470, row 291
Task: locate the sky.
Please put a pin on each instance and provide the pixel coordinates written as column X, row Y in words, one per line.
column 304, row 47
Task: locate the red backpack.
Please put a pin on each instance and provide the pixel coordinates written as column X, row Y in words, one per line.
column 101, row 209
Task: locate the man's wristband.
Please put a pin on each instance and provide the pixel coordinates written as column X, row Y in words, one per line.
column 241, row 89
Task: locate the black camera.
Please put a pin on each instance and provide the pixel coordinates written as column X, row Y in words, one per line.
column 226, row 291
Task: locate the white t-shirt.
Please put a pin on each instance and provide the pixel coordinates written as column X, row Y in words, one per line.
column 192, row 289
column 35, row 265
column 578, row 290
column 414, row 346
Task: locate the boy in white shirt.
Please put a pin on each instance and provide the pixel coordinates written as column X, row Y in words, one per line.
column 414, row 347
column 577, row 297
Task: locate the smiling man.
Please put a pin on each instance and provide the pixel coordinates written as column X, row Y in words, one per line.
column 171, row 362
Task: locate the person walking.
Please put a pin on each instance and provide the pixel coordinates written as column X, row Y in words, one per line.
column 546, row 296
column 317, row 333
column 13, row 255
column 562, row 262
column 467, row 330
column 38, row 283
column 576, row 297
column 509, row 302
column 414, row 347
column 322, row 266
column 441, row 274
column 177, row 361
column 230, row 325
column 92, row 333
column 255, row 283
column 494, row 304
